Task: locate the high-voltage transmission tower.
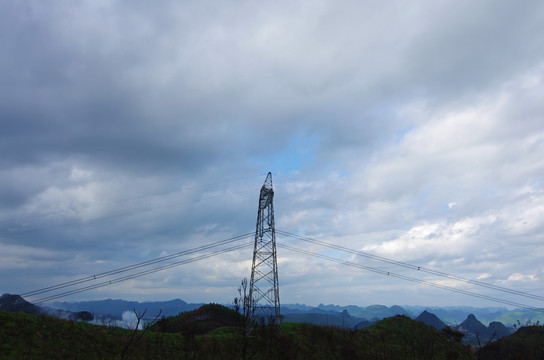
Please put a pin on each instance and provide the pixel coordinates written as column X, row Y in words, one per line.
column 264, row 294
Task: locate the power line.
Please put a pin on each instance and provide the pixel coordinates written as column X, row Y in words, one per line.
column 295, row 236
column 141, row 273
column 408, row 278
column 410, row 266
column 135, row 266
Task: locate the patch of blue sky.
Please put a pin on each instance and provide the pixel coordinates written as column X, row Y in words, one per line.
column 398, row 136
column 297, row 155
column 336, row 254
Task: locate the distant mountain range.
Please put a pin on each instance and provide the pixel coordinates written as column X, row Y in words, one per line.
column 322, row 314
column 116, row 308
column 476, row 332
column 452, row 316
column 473, row 330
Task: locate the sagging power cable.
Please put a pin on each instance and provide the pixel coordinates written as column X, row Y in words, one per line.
column 141, row 273
column 136, row 266
column 408, row 278
column 410, row 266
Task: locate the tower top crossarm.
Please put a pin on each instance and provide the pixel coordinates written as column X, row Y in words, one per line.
column 268, row 181
column 267, row 192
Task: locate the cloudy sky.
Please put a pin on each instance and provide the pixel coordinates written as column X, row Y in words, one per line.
column 131, row 130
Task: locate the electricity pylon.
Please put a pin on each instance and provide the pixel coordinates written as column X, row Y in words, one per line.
column 264, row 293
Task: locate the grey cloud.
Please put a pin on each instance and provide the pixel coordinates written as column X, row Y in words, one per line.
column 103, row 104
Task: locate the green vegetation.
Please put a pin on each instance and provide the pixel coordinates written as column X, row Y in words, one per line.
column 401, row 336
column 213, row 331
column 24, row 336
column 526, row 343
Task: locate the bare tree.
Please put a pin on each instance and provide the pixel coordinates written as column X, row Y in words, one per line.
column 243, row 308
column 135, row 340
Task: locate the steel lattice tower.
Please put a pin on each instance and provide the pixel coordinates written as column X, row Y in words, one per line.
column 264, row 293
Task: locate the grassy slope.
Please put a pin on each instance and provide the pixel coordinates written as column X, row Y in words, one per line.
column 526, row 343
column 199, row 321
column 43, row 337
column 36, row 336
column 401, row 337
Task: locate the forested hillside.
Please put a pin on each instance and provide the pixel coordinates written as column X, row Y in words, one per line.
column 214, row 332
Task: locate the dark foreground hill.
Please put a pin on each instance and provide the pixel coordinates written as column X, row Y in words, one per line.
column 526, row 343
column 214, row 332
column 397, row 337
column 24, row 336
column 198, row 322
column 15, row 303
